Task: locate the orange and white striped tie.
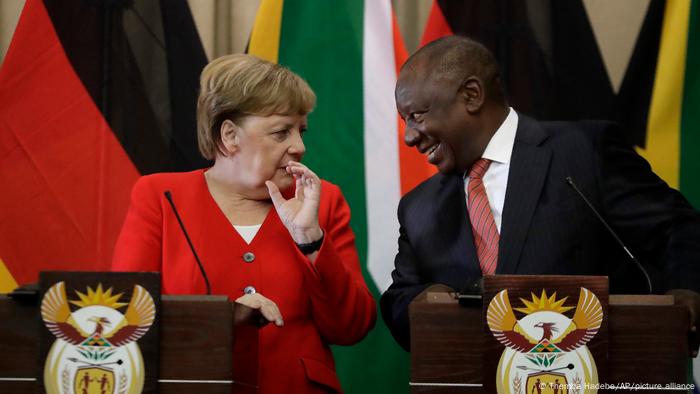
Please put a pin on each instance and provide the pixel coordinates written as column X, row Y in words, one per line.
column 483, row 225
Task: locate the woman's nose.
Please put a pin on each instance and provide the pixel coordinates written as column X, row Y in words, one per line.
column 297, row 148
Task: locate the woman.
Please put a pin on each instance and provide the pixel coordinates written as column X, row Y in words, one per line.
column 269, row 233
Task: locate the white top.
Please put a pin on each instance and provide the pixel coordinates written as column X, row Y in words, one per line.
column 248, row 232
column 498, row 151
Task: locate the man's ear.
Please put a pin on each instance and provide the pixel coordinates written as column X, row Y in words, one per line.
column 230, row 134
column 472, row 92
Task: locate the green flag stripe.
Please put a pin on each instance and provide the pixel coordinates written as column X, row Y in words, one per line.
column 323, row 44
column 690, row 116
column 322, row 41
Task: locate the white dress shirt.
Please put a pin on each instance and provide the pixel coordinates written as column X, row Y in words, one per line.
column 498, row 150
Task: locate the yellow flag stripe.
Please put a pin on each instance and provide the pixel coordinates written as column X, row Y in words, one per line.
column 265, row 38
column 7, row 282
column 664, row 125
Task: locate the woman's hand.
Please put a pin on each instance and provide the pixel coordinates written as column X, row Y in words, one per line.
column 300, row 213
column 267, row 308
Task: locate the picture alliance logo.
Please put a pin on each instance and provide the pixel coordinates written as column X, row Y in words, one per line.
column 576, row 387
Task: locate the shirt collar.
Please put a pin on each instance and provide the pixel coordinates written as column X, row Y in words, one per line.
column 500, row 147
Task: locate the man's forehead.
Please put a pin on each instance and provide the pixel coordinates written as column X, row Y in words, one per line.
column 414, row 75
column 408, row 90
column 427, row 72
column 414, row 68
column 418, row 83
column 407, row 77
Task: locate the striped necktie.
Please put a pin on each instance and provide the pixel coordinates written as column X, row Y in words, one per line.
column 483, row 225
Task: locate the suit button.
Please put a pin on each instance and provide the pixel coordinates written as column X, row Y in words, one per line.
column 248, row 257
column 249, row 290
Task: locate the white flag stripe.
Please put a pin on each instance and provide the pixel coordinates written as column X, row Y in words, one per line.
column 382, row 177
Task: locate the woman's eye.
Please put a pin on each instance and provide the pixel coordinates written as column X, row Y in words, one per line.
column 280, row 134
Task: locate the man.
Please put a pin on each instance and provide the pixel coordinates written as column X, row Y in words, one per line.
column 501, row 203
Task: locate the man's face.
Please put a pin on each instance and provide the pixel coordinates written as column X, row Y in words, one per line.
column 437, row 121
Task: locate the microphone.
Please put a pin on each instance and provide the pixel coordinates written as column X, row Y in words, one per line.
column 472, row 294
column 570, row 182
column 168, row 195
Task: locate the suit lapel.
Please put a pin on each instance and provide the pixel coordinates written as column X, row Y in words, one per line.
column 529, row 165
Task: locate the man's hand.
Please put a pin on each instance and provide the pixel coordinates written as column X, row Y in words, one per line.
column 691, row 301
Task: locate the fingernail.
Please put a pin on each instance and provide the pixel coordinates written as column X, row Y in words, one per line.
column 693, row 329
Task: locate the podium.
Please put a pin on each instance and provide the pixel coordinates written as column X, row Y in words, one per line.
column 197, row 346
column 646, row 343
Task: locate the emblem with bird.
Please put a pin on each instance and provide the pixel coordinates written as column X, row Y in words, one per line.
column 136, row 321
column 508, row 330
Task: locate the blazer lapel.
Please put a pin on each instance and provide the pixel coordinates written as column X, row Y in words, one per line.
column 529, row 165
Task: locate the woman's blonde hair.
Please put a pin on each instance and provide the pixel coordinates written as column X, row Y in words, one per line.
column 235, row 86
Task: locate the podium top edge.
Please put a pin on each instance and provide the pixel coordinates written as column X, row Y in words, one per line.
column 614, row 299
column 635, row 299
column 199, row 297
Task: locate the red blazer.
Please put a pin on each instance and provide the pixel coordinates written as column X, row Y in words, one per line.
column 323, row 303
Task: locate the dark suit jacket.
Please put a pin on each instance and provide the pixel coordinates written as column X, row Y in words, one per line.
column 546, row 227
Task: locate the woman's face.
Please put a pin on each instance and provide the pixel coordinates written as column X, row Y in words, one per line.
column 263, row 147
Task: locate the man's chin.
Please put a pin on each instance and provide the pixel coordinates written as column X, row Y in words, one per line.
column 446, row 168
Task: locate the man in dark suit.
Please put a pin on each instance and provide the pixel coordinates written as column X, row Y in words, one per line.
column 501, row 203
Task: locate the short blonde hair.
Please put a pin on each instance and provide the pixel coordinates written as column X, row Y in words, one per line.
column 235, row 86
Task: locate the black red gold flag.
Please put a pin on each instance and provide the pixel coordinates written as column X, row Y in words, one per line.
column 93, row 95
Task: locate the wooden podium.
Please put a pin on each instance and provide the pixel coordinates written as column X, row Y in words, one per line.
column 196, row 355
column 646, row 343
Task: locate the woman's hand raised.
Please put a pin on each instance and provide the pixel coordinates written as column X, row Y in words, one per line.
column 300, row 213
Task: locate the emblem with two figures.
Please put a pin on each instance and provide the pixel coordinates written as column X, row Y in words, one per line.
column 95, row 351
column 545, row 351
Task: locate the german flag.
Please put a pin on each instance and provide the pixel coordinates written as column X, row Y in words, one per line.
column 94, row 94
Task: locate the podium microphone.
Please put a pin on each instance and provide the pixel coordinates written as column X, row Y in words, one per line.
column 472, row 293
column 570, row 182
column 168, row 195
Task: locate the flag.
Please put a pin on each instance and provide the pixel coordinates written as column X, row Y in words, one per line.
column 672, row 143
column 673, row 133
column 554, row 67
column 349, row 51
column 94, row 94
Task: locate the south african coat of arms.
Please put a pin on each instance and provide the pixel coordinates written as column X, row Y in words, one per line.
column 95, row 351
column 545, row 351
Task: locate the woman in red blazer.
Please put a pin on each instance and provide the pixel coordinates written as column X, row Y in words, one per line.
column 269, row 233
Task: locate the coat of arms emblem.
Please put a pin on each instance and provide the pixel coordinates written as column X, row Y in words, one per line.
column 545, row 351
column 95, row 351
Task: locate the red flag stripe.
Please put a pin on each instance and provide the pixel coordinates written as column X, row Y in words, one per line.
column 66, row 177
column 413, row 166
column 436, row 26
